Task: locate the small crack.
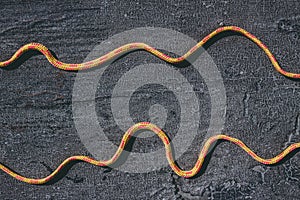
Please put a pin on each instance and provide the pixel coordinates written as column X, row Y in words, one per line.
column 297, row 125
column 293, row 134
column 262, row 172
column 246, row 105
column 177, row 189
column 290, row 25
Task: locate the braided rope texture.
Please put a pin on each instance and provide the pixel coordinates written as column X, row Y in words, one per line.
column 146, row 125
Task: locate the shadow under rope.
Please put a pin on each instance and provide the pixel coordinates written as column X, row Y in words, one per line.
column 31, row 53
column 184, row 63
column 23, row 58
column 124, row 155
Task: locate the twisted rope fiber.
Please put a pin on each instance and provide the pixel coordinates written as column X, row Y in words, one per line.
column 146, row 125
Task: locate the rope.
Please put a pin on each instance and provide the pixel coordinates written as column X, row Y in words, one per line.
column 146, row 125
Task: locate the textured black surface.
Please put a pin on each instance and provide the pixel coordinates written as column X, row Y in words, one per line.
column 37, row 129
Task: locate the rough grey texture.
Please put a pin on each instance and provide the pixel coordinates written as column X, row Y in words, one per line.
column 37, row 129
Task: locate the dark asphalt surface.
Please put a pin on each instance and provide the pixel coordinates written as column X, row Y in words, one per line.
column 37, row 129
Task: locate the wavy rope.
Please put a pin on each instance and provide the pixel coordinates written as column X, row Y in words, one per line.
column 134, row 46
column 147, row 125
column 169, row 155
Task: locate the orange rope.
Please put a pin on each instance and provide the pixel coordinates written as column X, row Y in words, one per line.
column 147, row 125
column 134, row 46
